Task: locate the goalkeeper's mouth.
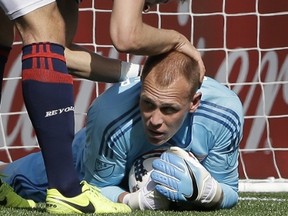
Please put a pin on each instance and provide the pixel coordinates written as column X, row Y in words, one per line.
column 156, row 137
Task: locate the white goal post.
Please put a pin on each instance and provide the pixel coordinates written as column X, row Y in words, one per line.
column 244, row 45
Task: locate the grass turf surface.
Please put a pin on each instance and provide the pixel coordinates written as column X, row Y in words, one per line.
column 260, row 204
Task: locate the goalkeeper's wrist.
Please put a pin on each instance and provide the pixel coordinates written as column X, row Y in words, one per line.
column 212, row 197
column 129, row 70
column 217, row 200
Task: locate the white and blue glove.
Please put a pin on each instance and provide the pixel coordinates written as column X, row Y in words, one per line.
column 181, row 178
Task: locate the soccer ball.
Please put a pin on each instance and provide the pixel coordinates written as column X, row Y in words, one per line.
column 140, row 171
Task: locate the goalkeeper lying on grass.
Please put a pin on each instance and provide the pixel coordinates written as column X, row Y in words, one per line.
column 166, row 108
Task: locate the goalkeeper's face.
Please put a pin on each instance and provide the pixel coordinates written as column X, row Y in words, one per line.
column 164, row 108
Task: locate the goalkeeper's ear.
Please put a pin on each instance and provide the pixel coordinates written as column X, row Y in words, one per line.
column 195, row 101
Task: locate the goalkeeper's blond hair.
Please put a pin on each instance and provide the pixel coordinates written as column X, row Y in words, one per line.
column 168, row 67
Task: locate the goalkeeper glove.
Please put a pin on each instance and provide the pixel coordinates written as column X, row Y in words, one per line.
column 180, row 177
column 146, row 198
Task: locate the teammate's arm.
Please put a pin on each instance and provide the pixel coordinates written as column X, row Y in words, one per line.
column 130, row 34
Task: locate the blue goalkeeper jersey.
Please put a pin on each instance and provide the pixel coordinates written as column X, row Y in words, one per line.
column 115, row 136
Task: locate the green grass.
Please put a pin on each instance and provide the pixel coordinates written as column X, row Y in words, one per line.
column 258, row 204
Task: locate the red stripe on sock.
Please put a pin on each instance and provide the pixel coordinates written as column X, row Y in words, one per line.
column 43, row 54
column 47, row 76
column 41, row 60
column 49, row 60
column 34, row 60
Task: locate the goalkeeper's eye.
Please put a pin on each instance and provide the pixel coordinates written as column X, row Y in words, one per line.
column 147, row 105
column 168, row 110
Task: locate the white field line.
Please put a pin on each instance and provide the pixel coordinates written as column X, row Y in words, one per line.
column 262, row 199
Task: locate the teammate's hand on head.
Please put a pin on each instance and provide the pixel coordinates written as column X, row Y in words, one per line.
column 187, row 48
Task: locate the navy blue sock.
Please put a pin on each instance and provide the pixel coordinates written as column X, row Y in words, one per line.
column 4, row 52
column 49, row 99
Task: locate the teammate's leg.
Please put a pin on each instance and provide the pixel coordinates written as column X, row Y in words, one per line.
column 48, row 93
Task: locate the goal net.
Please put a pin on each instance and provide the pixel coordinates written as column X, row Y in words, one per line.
column 244, row 45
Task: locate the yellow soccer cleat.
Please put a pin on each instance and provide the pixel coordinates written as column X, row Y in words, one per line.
column 9, row 198
column 89, row 201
